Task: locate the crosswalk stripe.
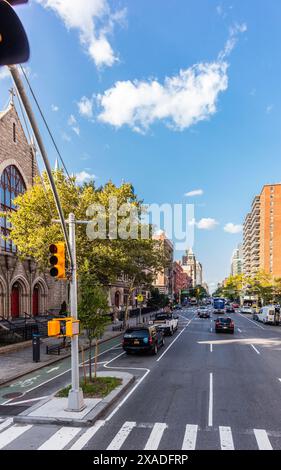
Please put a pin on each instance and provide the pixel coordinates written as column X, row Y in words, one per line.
column 84, row 439
column 12, row 433
column 122, row 435
column 262, row 439
column 190, row 436
column 226, row 438
column 60, row 439
column 6, row 423
column 155, row 436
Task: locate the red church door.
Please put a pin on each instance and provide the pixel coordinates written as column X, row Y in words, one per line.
column 35, row 301
column 15, row 301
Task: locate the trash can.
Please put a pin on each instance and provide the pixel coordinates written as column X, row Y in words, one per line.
column 36, row 347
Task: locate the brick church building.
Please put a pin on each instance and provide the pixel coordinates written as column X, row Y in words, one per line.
column 23, row 288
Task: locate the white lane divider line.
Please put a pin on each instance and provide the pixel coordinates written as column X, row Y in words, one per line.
column 226, row 439
column 279, row 380
column 262, row 439
column 240, row 331
column 26, row 401
column 255, row 323
column 6, row 437
column 7, row 423
column 155, row 436
column 84, row 439
column 171, row 344
column 190, row 436
column 210, row 417
column 255, row 349
column 211, row 347
column 60, row 439
column 122, row 435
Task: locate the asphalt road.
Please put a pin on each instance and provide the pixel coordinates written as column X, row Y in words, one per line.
column 203, row 390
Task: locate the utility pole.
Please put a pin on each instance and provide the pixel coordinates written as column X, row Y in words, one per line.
column 75, row 400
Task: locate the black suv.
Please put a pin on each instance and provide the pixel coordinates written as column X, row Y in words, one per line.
column 144, row 338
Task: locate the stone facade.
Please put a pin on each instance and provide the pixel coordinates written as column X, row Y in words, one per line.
column 23, row 288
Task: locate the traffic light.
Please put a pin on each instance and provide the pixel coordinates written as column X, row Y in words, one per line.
column 14, row 46
column 57, row 260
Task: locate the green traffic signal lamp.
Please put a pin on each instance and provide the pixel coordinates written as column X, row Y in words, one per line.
column 14, row 46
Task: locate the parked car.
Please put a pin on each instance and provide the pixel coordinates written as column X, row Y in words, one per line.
column 144, row 338
column 268, row 314
column 225, row 324
column 246, row 309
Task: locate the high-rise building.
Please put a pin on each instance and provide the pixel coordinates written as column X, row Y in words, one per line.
column 237, row 260
column 262, row 233
column 192, row 267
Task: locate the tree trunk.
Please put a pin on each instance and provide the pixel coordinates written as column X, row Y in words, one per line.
column 90, row 360
column 96, row 357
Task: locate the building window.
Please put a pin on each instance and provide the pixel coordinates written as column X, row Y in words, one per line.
column 11, row 185
column 14, row 132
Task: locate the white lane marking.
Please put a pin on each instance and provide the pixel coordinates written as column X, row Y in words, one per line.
column 56, row 376
column 60, row 439
column 211, row 347
column 211, row 329
column 6, row 437
column 190, row 436
column 279, row 380
column 210, row 416
column 256, row 324
column 84, row 439
column 7, row 423
column 155, row 436
column 262, row 439
column 255, row 349
column 122, row 435
column 25, row 401
column 226, row 439
column 171, row 344
column 52, row 369
column 239, row 330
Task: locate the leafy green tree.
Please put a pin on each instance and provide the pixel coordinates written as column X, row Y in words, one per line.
column 92, row 310
column 158, row 300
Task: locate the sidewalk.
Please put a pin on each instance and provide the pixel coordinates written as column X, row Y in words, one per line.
column 17, row 360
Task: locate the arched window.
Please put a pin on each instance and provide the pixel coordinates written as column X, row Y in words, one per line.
column 11, row 185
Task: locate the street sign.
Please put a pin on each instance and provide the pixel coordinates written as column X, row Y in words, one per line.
column 140, row 298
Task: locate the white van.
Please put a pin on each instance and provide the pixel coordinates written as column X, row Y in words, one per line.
column 266, row 314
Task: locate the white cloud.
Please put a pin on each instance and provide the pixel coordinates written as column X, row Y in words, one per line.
column 76, row 129
column 195, row 192
column 85, row 107
column 4, row 73
column 84, row 177
column 269, row 108
column 219, row 10
column 55, row 108
column 94, row 21
column 180, row 101
column 71, row 120
column 233, row 228
column 206, row 223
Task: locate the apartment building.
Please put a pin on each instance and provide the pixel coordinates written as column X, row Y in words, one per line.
column 237, row 260
column 262, row 233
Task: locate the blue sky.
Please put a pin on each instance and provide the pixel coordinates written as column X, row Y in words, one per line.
column 173, row 96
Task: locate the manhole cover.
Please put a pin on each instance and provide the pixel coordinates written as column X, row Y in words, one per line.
column 13, row 395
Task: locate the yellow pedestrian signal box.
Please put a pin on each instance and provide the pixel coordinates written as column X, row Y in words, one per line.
column 57, row 260
column 61, row 327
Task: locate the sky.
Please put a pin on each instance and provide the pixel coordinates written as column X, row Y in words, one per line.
column 182, row 98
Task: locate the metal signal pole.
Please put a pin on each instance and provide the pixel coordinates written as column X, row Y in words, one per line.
column 75, row 399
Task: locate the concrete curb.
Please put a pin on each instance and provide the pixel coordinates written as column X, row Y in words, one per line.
column 41, row 365
column 96, row 413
